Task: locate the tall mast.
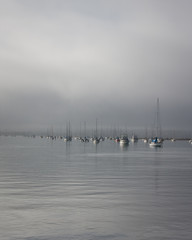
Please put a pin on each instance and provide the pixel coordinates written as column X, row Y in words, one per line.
column 85, row 128
column 66, row 130
column 158, row 127
column 80, row 130
column 96, row 129
column 69, row 130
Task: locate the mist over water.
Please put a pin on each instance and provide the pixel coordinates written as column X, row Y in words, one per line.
column 55, row 190
column 106, row 59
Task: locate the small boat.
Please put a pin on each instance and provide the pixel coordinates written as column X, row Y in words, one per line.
column 95, row 140
column 156, row 142
column 85, row 139
column 124, row 140
column 68, row 137
column 134, row 138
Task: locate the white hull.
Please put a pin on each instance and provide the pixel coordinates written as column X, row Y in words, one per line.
column 134, row 138
column 96, row 141
column 155, row 144
column 124, row 141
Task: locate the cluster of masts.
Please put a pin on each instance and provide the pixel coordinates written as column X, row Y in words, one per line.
column 154, row 142
column 123, row 139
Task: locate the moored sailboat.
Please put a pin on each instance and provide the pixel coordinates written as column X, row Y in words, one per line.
column 157, row 141
column 96, row 139
column 124, row 139
column 134, row 138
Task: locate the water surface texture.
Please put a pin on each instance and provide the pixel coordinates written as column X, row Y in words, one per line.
column 52, row 190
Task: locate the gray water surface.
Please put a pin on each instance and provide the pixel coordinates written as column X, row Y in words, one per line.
column 52, row 190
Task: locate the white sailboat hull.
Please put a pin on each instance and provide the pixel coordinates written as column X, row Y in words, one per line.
column 124, row 141
column 155, row 144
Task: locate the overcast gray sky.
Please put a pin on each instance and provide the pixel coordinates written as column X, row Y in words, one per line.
column 81, row 59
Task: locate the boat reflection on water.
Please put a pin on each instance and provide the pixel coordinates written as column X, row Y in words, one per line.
column 124, row 142
column 124, row 146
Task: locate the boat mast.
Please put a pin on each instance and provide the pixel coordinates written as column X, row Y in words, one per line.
column 85, row 129
column 96, row 129
column 158, row 126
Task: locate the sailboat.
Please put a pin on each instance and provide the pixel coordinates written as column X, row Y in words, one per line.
column 145, row 139
column 68, row 137
column 124, row 139
column 157, row 141
column 96, row 139
column 84, row 139
column 134, row 138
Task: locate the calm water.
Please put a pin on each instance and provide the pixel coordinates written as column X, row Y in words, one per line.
column 50, row 190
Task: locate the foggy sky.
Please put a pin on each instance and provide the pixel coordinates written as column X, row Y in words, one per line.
column 108, row 59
